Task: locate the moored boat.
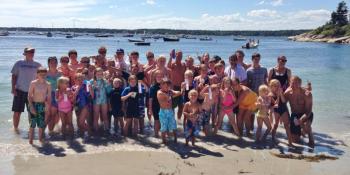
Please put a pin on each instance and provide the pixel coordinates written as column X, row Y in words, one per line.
column 207, row 38
column 171, row 39
column 135, row 40
column 4, row 33
column 142, row 43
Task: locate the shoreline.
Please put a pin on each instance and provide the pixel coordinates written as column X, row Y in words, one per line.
column 308, row 37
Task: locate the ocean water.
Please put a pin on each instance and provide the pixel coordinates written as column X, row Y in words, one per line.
column 325, row 65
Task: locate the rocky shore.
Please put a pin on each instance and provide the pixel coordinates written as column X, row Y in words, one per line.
column 308, row 37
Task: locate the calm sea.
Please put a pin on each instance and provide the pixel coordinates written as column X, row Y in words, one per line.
column 325, row 65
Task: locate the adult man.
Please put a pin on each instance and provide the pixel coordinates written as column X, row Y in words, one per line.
column 300, row 101
column 236, row 70
column 74, row 64
column 256, row 75
column 177, row 77
column 23, row 73
column 240, row 59
column 119, row 60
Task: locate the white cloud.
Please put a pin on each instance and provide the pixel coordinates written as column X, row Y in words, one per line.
column 262, row 13
column 277, row 2
column 150, row 2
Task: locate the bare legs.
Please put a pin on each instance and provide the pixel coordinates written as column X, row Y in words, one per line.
column 244, row 118
column 260, row 121
column 285, row 121
column 231, row 120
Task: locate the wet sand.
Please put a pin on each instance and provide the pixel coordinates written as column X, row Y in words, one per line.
column 221, row 154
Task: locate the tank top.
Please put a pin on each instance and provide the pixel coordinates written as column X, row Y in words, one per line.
column 282, row 78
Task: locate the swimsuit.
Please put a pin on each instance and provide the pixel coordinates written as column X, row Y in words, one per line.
column 167, row 120
column 39, row 118
column 52, row 79
column 204, row 118
column 83, row 97
column 100, row 91
column 262, row 113
column 116, row 102
column 132, row 106
column 282, row 78
column 64, row 105
column 282, row 107
column 228, row 101
column 192, row 129
column 191, row 86
column 155, row 104
column 248, row 103
column 296, row 129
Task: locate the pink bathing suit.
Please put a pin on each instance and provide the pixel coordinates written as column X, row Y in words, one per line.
column 64, row 106
column 228, row 101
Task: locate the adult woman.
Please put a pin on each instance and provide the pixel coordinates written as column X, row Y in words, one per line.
column 52, row 75
column 281, row 72
column 246, row 99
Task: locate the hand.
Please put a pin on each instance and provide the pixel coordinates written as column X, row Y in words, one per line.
column 14, row 92
column 172, row 54
column 150, row 112
column 32, row 110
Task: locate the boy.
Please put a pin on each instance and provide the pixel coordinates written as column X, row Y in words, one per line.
column 39, row 94
column 166, row 113
column 153, row 102
column 116, row 104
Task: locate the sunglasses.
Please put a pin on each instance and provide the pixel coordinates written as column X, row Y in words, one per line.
column 283, row 61
column 42, row 72
column 102, row 52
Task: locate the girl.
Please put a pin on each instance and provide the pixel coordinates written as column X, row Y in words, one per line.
column 280, row 110
column 131, row 96
column 227, row 100
column 116, row 104
column 64, row 99
column 82, row 94
column 202, row 80
column 66, row 70
column 52, row 75
column 186, row 87
column 153, row 101
column 100, row 88
column 191, row 112
column 263, row 104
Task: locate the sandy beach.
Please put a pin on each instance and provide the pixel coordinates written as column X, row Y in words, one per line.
column 221, row 154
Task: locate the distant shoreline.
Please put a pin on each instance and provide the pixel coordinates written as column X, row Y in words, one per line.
column 309, row 37
column 165, row 31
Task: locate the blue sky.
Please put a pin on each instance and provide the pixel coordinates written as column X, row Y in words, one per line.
column 174, row 14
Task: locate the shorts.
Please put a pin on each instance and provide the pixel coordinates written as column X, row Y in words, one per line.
column 117, row 113
column 39, row 118
column 192, row 129
column 167, row 120
column 236, row 110
column 142, row 111
column 132, row 113
column 19, row 101
column 296, row 129
column 155, row 111
column 248, row 103
column 204, row 118
column 53, row 100
column 177, row 100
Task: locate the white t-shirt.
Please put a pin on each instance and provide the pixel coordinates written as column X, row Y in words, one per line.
column 239, row 72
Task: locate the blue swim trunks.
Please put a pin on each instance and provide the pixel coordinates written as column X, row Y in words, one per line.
column 167, row 120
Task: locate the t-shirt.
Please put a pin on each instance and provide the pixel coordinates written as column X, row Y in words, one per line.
column 256, row 77
column 238, row 72
column 25, row 72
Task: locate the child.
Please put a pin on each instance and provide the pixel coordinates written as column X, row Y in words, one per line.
column 116, row 104
column 280, row 109
column 39, row 94
column 264, row 104
column 207, row 94
column 186, row 87
column 153, row 102
column 132, row 95
column 227, row 101
column 100, row 104
column 191, row 112
column 64, row 98
column 83, row 94
column 166, row 113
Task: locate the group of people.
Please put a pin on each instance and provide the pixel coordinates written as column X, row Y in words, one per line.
column 107, row 94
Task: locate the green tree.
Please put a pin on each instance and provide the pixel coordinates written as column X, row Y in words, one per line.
column 340, row 17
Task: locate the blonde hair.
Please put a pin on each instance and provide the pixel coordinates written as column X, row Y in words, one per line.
column 224, row 80
column 62, row 80
column 117, row 80
column 263, row 89
column 79, row 76
column 194, row 92
column 189, row 73
column 275, row 83
column 161, row 57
